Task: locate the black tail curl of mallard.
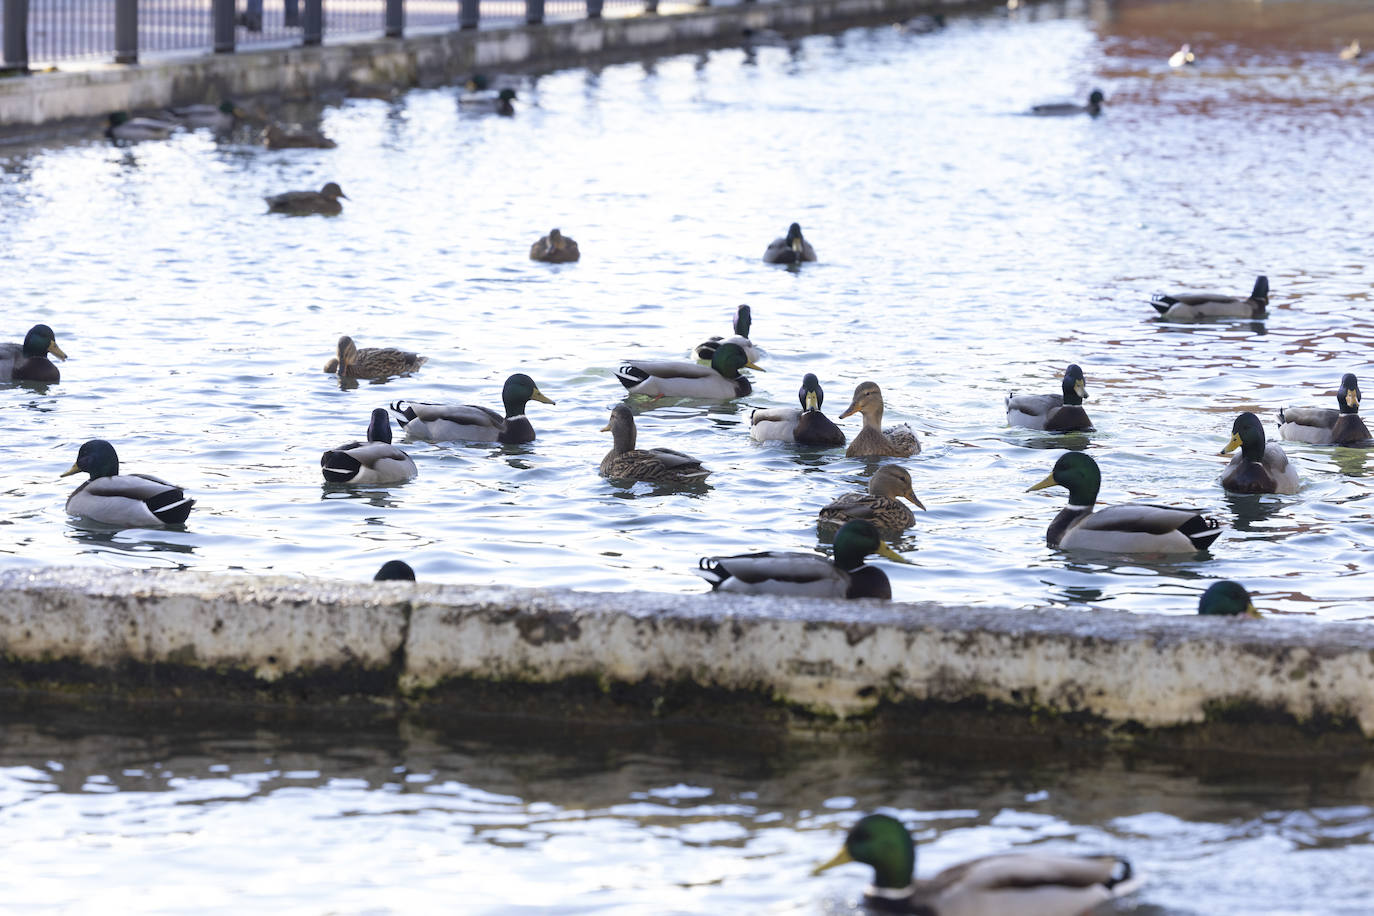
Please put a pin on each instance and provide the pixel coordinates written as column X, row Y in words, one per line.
column 631, row 376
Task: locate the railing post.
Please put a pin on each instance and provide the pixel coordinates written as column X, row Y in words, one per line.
column 312, row 23
column 651, row 6
column 534, row 12
column 291, row 14
column 594, row 8
column 16, row 35
column 222, row 14
column 126, row 31
column 395, row 18
column 468, row 12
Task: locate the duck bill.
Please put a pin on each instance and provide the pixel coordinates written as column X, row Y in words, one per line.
column 891, row 554
column 1231, row 446
column 1251, row 610
column 797, row 245
column 606, row 428
column 70, row 471
column 841, row 858
column 812, row 402
column 916, row 502
column 539, row 396
column 1352, row 399
column 849, row 411
column 55, row 350
column 1047, row 482
column 1080, row 389
column 750, row 365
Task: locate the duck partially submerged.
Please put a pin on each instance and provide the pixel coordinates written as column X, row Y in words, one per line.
column 325, row 201
column 555, row 248
column 804, row 426
column 1323, row 426
column 1227, row 599
column 395, row 571
column 372, row 362
column 1056, row 413
column 121, row 126
column 218, row 118
column 1061, row 109
column 1196, row 306
column 375, row 461
column 123, row 500
column 1132, row 528
column 743, row 320
column 790, row 249
column 657, row 465
column 677, row 378
column 495, row 101
column 28, row 361
column 777, row 572
column 880, row 504
column 472, row 423
column 294, row 136
column 1012, row 884
column 1261, row 467
column 874, row 441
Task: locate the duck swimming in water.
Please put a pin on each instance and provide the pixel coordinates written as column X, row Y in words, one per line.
column 804, row 426
column 28, row 361
column 1323, row 426
column 1056, row 413
column 776, row 572
column 123, row 500
column 1261, row 467
column 790, row 249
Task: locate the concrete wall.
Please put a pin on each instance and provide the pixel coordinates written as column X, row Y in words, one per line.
column 91, row 91
column 1106, row 675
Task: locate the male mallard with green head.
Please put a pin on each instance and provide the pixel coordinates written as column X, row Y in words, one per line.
column 1226, row 599
column 777, row 572
column 805, row 425
column 1261, row 467
column 1012, row 884
column 123, row 500
column 1196, row 306
column 28, row 361
column 1323, row 426
column 705, row 350
column 657, row 465
column 1132, row 528
column 676, row 378
column 790, row 249
column 1056, row 413
column 472, row 423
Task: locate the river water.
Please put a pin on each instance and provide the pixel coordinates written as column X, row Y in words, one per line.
column 965, row 250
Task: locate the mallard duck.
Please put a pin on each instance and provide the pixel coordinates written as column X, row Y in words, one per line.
column 124, row 500
column 1352, row 51
column 1228, row 599
column 790, row 249
column 1053, row 412
column 677, row 378
column 1323, row 426
column 777, row 572
column 922, row 25
column 294, row 136
column 1194, row 306
column 395, row 571
column 705, row 350
column 1132, row 528
column 120, row 126
column 555, row 248
column 375, row 461
column 625, row 462
column 1011, row 884
column 325, row 202
column 879, row 505
column 372, row 362
column 489, row 100
column 1260, row 467
column 805, row 425
column 1183, row 57
column 873, row 440
column 218, row 118
column 1058, row 109
column 470, row 423
column 28, row 361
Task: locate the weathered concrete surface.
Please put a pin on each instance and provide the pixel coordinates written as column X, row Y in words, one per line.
column 823, row 663
column 85, row 91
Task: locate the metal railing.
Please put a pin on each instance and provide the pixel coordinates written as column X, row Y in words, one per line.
column 40, row 33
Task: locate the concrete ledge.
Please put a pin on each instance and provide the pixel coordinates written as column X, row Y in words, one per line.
column 86, row 91
column 822, row 665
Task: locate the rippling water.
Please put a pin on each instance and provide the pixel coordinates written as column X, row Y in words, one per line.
column 114, row 815
column 966, row 250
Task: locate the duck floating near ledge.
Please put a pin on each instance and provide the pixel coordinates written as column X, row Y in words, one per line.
column 294, row 136
column 1226, row 599
column 1012, row 884
column 122, row 126
column 123, row 500
column 777, row 572
column 880, row 504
